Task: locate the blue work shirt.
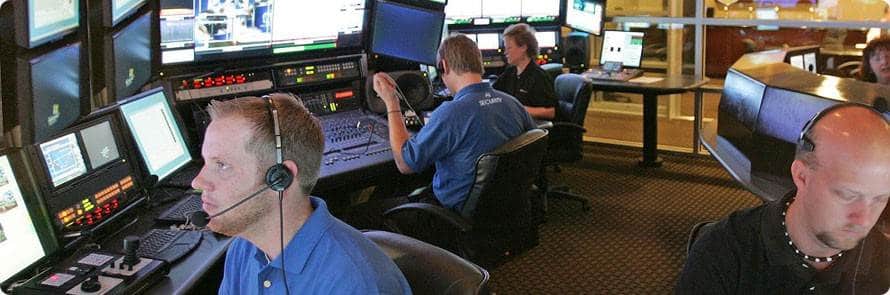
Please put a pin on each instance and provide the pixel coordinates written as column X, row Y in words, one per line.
column 478, row 120
column 325, row 256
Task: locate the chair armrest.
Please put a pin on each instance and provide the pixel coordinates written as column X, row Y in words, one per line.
column 570, row 126
column 440, row 212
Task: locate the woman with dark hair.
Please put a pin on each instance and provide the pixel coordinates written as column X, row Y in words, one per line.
column 875, row 66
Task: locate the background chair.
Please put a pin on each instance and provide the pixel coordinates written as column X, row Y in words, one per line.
column 430, row 269
column 566, row 136
column 495, row 220
column 552, row 69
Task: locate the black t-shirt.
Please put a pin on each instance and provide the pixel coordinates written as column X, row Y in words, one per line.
column 532, row 88
column 747, row 254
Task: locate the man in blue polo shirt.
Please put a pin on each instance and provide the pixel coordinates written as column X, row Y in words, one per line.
column 321, row 254
column 478, row 120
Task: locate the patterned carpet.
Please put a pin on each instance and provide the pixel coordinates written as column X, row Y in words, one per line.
column 633, row 239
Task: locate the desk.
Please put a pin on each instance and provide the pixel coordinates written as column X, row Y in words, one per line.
column 767, row 186
column 651, row 91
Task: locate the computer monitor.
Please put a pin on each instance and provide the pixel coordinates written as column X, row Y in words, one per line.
column 767, row 13
column 25, row 234
column 63, row 159
column 49, row 93
column 488, row 41
column 41, row 21
column 128, row 59
column 540, row 9
column 546, row 39
column 156, row 132
column 116, row 10
column 804, row 57
column 406, row 32
column 463, row 11
column 623, row 47
column 85, row 175
column 224, row 30
column 586, row 15
column 499, row 10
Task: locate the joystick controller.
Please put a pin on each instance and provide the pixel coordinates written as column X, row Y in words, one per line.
column 91, row 284
column 131, row 245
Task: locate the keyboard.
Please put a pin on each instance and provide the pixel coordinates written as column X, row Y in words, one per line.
column 179, row 212
column 168, row 245
column 623, row 75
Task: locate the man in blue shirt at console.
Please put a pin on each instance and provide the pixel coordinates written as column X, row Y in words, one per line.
column 478, row 120
column 269, row 209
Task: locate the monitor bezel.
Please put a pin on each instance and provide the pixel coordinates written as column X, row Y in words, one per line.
column 37, row 209
column 564, row 14
column 22, row 26
column 145, row 177
column 22, row 125
column 108, row 94
column 603, row 45
column 373, row 22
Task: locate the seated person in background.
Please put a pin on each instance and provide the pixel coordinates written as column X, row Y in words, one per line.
column 478, row 120
column 819, row 238
column 322, row 255
column 524, row 79
column 875, row 65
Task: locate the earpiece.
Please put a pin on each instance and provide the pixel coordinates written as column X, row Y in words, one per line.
column 278, row 177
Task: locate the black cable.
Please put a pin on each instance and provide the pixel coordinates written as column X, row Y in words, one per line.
column 281, row 240
column 367, row 144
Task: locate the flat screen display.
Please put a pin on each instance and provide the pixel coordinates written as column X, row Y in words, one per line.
column 50, row 19
column 123, row 8
column 63, row 159
column 546, row 39
column 488, row 41
column 463, row 11
column 624, row 47
column 55, row 89
column 501, row 8
column 540, row 8
column 19, row 240
column 406, row 32
column 585, row 15
column 213, row 30
column 156, row 132
column 131, row 57
column 98, row 140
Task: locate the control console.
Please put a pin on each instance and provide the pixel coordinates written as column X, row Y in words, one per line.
column 99, row 272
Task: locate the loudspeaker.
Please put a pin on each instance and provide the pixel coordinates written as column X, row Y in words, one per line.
column 414, row 85
column 576, row 51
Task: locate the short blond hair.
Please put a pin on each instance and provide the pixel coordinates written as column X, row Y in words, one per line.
column 462, row 55
column 302, row 139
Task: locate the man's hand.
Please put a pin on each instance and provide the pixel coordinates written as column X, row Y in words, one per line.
column 385, row 87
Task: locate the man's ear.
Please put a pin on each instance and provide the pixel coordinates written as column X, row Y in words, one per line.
column 445, row 67
column 799, row 173
column 291, row 166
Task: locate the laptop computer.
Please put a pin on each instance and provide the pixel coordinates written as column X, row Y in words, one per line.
column 621, row 55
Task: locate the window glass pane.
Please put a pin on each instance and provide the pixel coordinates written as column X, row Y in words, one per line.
column 844, row 10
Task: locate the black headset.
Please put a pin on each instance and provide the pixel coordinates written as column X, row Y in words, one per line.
column 805, row 142
column 278, row 177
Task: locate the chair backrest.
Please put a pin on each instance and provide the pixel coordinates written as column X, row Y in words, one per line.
column 430, row 269
column 574, row 93
column 698, row 230
column 552, row 69
column 504, row 177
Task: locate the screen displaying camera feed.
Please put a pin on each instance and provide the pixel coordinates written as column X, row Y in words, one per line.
column 18, row 233
column 199, row 30
column 585, row 15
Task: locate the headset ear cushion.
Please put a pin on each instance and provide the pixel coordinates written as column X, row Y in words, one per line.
column 279, row 178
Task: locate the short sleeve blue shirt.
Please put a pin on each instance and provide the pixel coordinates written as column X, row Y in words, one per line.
column 325, row 256
column 478, row 120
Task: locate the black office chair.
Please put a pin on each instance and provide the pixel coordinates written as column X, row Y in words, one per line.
column 698, row 230
column 430, row 269
column 552, row 69
column 495, row 221
column 566, row 136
